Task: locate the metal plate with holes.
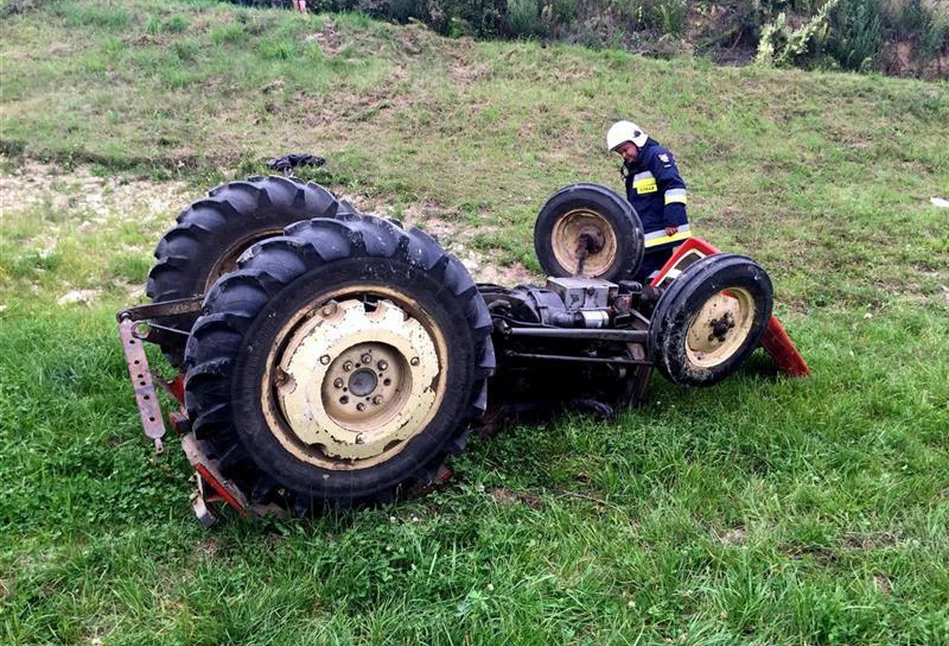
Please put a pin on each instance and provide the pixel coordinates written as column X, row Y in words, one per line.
column 145, row 395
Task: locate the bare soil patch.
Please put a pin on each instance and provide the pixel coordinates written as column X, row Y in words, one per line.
column 507, row 496
column 736, row 536
column 79, row 190
column 329, row 39
column 90, row 203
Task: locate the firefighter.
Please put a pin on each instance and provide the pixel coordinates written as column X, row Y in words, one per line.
column 655, row 189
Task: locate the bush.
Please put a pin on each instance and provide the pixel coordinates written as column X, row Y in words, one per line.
column 856, row 34
column 523, row 19
column 938, row 40
column 851, row 34
column 935, row 32
column 402, row 10
column 561, row 11
column 374, row 8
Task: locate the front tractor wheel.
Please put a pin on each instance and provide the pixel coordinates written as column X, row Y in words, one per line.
column 710, row 319
column 342, row 360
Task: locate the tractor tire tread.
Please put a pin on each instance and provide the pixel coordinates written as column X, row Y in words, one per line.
column 187, row 253
column 273, row 264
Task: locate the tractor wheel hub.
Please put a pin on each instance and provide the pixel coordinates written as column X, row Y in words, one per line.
column 720, row 327
column 357, row 382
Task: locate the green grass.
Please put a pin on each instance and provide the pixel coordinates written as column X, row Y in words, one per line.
column 765, row 510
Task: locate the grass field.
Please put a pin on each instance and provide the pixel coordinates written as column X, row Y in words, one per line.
column 764, row 511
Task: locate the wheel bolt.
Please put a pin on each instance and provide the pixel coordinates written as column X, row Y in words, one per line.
column 377, row 400
column 366, row 358
column 382, row 365
column 338, row 383
column 325, row 359
column 328, row 310
column 347, row 366
column 360, row 439
column 360, row 407
column 414, row 361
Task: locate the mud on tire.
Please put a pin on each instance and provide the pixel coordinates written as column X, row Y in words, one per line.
column 710, row 319
column 212, row 233
column 294, row 350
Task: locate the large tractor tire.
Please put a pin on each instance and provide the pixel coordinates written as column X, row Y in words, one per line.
column 710, row 319
column 607, row 224
column 212, row 233
column 343, row 361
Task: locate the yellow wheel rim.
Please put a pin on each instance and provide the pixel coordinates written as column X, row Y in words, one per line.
column 721, row 327
column 353, row 378
column 565, row 239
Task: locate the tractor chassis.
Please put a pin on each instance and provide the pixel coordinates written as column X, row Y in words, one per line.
column 138, row 325
column 611, row 365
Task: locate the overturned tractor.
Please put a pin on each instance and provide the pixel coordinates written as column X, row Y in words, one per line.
column 329, row 357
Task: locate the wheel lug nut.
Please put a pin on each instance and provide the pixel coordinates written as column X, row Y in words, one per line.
column 366, row 358
column 382, row 365
column 338, row 383
column 325, row 359
column 360, row 407
column 414, row 361
column 347, row 366
column 377, row 400
column 360, row 439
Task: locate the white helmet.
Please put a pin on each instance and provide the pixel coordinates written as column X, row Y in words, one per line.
column 623, row 131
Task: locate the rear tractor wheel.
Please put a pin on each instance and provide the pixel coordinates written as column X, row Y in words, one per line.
column 212, row 233
column 342, row 361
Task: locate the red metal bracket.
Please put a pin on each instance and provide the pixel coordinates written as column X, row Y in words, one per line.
column 221, row 488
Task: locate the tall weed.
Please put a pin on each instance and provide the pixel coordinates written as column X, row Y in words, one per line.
column 783, row 45
column 672, row 15
column 856, row 34
column 523, row 19
column 935, row 36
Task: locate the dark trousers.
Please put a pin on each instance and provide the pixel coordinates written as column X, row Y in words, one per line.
column 652, row 262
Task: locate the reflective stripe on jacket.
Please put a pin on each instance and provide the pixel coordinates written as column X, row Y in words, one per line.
column 658, row 193
column 659, row 238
